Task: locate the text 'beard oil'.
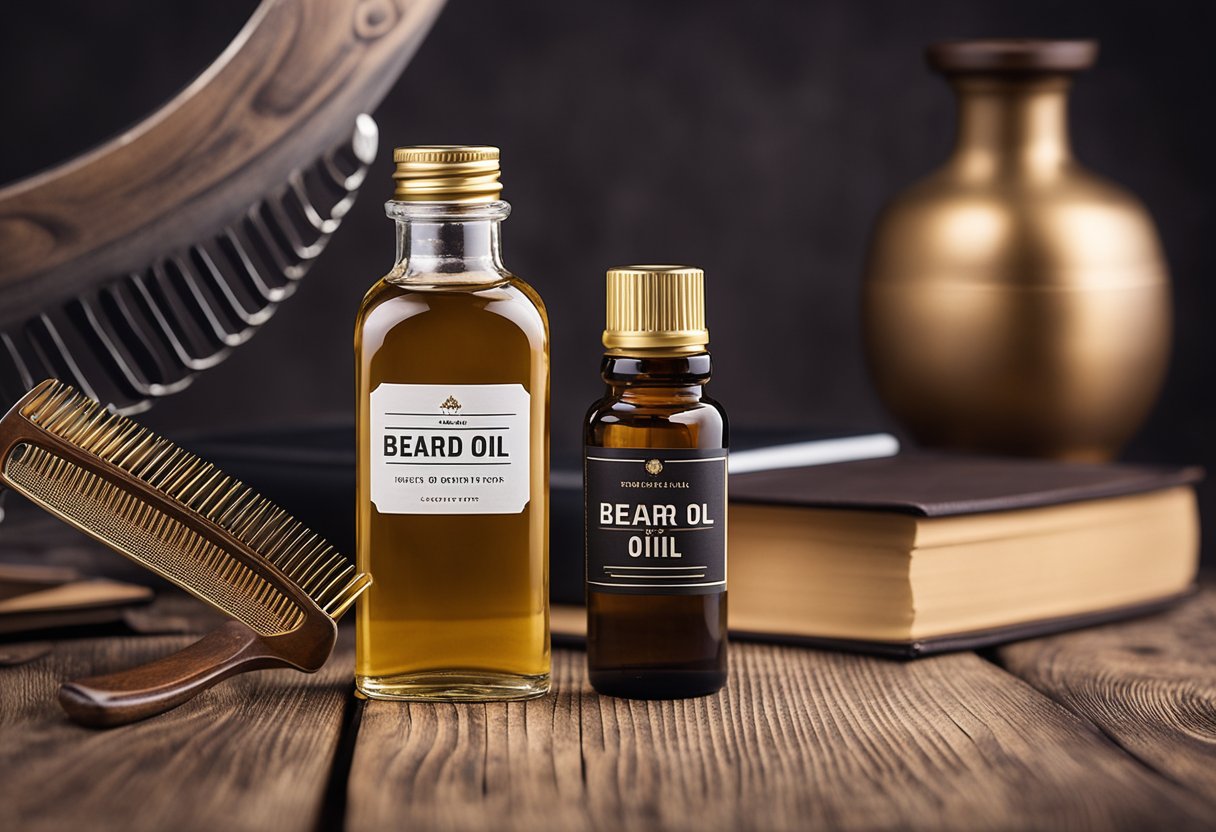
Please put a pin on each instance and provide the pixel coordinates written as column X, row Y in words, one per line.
column 655, row 495
column 452, row 363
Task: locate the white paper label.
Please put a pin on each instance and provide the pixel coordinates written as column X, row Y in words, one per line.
column 450, row 448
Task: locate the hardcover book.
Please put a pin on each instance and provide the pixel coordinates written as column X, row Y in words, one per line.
column 923, row 553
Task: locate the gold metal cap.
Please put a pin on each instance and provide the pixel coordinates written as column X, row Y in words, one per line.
column 446, row 173
column 656, row 309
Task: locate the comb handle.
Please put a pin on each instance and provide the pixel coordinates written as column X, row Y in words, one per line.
column 156, row 687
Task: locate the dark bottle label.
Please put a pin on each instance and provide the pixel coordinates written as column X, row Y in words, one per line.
column 655, row 520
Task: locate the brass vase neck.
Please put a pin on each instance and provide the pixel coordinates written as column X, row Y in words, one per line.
column 1013, row 102
column 1012, row 125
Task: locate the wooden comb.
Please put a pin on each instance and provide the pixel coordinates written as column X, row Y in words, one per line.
column 179, row 516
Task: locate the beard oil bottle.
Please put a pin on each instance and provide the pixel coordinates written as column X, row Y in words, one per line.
column 655, row 492
column 452, row 365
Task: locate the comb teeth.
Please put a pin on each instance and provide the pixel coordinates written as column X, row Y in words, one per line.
column 134, row 335
column 323, row 573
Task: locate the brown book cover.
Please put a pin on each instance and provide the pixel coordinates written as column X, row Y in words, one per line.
column 941, row 485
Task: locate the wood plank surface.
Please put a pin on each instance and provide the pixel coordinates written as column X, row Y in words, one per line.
column 1149, row 684
column 253, row 753
column 801, row 739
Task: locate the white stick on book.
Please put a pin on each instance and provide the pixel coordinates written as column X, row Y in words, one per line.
column 814, row 452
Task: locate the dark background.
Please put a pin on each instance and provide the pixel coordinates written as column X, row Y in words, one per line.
column 757, row 140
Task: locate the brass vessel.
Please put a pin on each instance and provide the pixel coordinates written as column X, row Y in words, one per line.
column 1014, row 302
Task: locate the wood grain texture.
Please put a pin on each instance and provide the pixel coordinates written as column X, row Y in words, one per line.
column 253, row 753
column 134, row 266
column 1150, row 685
column 289, row 86
column 800, row 739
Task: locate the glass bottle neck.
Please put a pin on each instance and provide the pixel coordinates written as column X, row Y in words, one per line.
column 450, row 241
column 667, row 376
column 1012, row 125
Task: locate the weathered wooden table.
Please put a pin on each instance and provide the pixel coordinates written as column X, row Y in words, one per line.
column 1110, row 728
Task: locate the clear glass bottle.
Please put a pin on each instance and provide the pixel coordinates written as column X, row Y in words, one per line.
column 655, row 451
column 452, row 364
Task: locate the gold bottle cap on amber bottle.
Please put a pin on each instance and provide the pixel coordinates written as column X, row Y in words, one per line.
column 446, row 173
column 656, row 310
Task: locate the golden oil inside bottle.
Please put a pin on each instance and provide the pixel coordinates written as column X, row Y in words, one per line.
column 453, row 421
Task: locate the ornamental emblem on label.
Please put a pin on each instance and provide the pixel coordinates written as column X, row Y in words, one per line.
column 654, row 467
column 450, row 405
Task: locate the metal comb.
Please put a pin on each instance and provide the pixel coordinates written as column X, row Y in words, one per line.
column 184, row 519
column 130, row 268
column 144, row 335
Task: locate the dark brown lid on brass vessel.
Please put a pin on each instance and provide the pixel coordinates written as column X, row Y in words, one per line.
column 1012, row 55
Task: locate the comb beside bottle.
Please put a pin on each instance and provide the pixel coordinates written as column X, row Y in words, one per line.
column 184, row 519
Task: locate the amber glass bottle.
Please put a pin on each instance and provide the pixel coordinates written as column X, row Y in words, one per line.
column 655, row 491
column 452, row 362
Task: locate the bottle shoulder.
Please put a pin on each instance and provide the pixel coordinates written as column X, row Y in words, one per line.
column 703, row 406
column 390, row 302
column 492, row 285
column 529, row 291
column 616, row 421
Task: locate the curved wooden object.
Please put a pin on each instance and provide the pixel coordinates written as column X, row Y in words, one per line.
column 163, row 684
column 139, row 263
